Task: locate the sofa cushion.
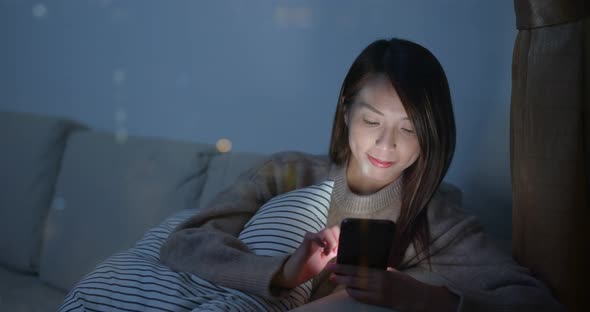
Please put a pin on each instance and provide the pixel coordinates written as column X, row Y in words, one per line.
column 224, row 169
column 108, row 194
column 24, row 292
column 32, row 148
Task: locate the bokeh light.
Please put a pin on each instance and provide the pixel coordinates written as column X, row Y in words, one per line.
column 39, row 10
column 119, row 77
column 121, row 135
column 298, row 17
column 105, row 3
column 223, row 145
column 49, row 231
column 120, row 116
column 59, row 203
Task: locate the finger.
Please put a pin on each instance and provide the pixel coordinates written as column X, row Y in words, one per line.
column 335, row 231
column 395, row 274
column 312, row 237
column 328, row 237
column 343, row 269
column 351, row 281
column 311, row 245
column 372, row 281
column 362, row 295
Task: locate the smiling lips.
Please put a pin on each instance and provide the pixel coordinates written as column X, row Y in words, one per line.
column 379, row 163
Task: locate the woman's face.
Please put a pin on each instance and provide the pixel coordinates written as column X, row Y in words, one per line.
column 382, row 139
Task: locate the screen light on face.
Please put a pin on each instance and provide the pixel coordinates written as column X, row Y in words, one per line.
column 365, row 168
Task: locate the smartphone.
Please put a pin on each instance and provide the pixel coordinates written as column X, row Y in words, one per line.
column 365, row 242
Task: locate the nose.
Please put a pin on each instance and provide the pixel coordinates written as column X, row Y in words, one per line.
column 386, row 140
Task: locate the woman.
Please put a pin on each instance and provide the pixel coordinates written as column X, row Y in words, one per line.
column 393, row 140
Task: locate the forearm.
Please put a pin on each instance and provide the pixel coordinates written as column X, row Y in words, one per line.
column 221, row 259
column 471, row 266
column 207, row 244
column 279, row 280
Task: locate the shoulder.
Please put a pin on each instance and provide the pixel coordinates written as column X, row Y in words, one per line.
column 298, row 162
column 289, row 170
column 458, row 236
column 446, row 202
column 446, row 215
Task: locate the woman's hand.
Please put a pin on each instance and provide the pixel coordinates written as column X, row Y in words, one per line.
column 392, row 289
column 310, row 258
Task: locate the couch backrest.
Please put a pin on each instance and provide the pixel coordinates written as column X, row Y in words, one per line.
column 109, row 193
column 223, row 171
column 31, row 148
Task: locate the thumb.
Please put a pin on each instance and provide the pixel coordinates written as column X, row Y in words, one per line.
column 311, row 244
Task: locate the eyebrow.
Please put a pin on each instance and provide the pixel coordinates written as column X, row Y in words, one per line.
column 376, row 111
column 363, row 104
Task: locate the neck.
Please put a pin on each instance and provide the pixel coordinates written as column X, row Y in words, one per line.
column 362, row 185
column 384, row 198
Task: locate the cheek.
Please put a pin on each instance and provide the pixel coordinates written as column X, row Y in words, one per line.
column 412, row 150
column 358, row 138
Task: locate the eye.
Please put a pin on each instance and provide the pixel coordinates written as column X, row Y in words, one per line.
column 370, row 123
column 407, row 130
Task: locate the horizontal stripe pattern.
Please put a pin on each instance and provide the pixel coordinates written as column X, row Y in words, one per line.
column 135, row 280
column 279, row 226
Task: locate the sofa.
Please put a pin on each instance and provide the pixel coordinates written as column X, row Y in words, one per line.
column 71, row 196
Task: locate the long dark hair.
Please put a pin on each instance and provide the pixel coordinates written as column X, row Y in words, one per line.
column 422, row 85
